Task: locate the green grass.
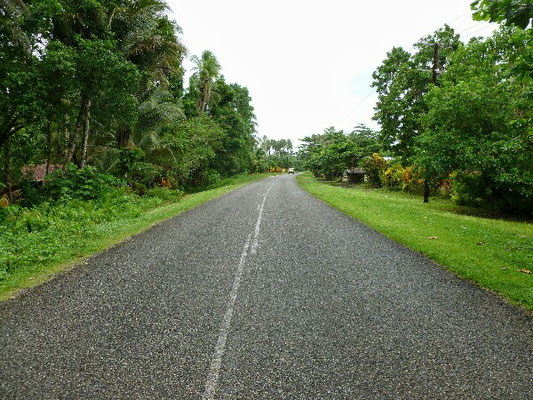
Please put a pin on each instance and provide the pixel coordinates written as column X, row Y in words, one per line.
column 63, row 234
column 488, row 251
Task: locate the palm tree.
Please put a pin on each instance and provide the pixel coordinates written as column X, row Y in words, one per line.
column 159, row 111
column 207, row 70
column 266, row 144
column 149, row 40
column 144, row 36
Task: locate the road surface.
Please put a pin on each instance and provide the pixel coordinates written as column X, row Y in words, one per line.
column 264, row 293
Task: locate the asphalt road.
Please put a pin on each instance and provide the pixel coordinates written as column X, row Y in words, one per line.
column 264, row 293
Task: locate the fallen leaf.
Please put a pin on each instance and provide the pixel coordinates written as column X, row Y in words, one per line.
column 433, row 237
column 525, row 271
column 481, row 243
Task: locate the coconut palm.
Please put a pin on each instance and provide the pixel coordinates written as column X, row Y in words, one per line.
column 207, row 70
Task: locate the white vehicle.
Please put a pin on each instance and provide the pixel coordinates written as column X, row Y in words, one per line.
column 291, row 171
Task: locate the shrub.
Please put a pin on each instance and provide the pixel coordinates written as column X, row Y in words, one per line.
column 397, row 177
column 375, row 167
column 412, row 180
column 75, row 183
column 393, row 177
column 144, row 175
column 446, row 187
column 211, row 177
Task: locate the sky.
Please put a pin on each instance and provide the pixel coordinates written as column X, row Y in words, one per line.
column 308, row 64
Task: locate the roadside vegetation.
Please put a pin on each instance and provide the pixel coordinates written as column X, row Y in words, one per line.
column 41, row 241
column 455, row 117
column 277, row 155
column 495, row 253
column 98, row 128
column 456, row 125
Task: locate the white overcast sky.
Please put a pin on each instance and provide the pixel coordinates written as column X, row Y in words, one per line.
column 308, row 64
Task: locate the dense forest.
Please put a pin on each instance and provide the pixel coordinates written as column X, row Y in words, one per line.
column 93, row 95
column 455, row 117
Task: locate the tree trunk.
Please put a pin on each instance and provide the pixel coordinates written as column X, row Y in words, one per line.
column 58, row 143
column 48, row 147
column 85, row 139
column 124, row 137
column 426, row 191
column 8, row 130
column 67, row 137
column 7, row 169
column 76, row 133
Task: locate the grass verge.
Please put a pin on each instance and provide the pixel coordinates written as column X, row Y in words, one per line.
column 494, row 253
column 64, row 235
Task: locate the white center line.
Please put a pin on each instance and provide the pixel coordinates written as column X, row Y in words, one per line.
column 258, row 224
column 216, row 361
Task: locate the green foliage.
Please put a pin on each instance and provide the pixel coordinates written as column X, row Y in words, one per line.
column 333, row 152
column 375, row 167
column 234, row 113
column 274, row 155
column 128, row 157
column 101, row 83
column 396, row 177
column 207, row 70
column 478, row 125
column 36, row 241
column 75, row 183
column 402, row 81
column 188, row 147
column 144, row 175
column 37, row 235
column 509, row 12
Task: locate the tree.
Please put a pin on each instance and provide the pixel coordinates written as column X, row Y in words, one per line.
column 401, row 83
column 206, row 71
column 234, row 113
column 478, row 126
column 189, row 147
column 150, row 41
column 509, row 12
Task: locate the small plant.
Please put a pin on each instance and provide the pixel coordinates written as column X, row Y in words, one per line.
column 375, row 167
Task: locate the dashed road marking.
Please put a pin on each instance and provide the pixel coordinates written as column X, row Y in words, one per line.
column 258, row 224
column 220, row 347
column 216, row 360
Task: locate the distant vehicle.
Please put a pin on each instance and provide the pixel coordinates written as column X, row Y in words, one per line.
column 291, row 171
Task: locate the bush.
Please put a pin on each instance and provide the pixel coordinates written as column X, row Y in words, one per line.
column 211, row 177
column 144, row 175
column 393, row 177
column 33, row 236
column 375, row 167
column 75, row 183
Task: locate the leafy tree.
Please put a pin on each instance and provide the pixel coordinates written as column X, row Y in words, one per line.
column 189, row 148
column 478, row 126
column 401, row 83
column 234, row 113
column 366, row 142
column 509, row 12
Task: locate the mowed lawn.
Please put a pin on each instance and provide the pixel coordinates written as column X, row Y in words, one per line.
column 495, row 253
